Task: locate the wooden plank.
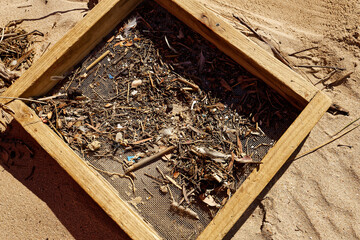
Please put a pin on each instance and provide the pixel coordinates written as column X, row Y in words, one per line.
column 72, row 48
column 244, row 51
column 272, row 162
column 91, row 181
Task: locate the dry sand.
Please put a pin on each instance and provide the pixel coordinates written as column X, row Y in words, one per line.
column 317, row 197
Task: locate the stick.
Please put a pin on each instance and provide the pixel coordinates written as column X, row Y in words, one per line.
column 162, row 174
column 170, row 193
column 21, row 59
column 24, row 99
column 346, row 126
column 52, row 97
column 43, row 17
column 2, row 35
column 158, row 180
column 194, row 86
column 13, row 36
column 150, row 159
column 341, row 80
column 274, row 50
column 307, row 49
column 97, row 60
column 326, row 143
column 114, row 173
column 173, row 182
column 148, row 191
column 151, row 80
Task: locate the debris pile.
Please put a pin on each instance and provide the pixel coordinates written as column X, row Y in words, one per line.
column 15, row 53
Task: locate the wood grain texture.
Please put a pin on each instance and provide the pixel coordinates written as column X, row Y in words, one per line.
column 272, row 162
column 244, row 51
column 72, row 48
column 90, row 180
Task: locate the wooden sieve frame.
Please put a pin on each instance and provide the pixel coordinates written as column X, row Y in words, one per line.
column 100, row 21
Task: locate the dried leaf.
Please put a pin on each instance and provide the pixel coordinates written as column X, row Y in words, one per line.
column 210, row 201
column 121, row 44
column 176, row 175
column 61, row 105
column 128, row 44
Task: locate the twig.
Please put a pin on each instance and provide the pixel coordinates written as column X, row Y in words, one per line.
column 158, row 180
column 24, row 99
column 148, row 191
column 194, row 86
column 97, row 60
column 24, row 35
column 273, row 49
column 47, row 46
column 185, row 194
column 25, row 6
column 307, row 49
column 46, row 16
column 171, row 48
column 128, row 93
column 21, row 59
column 150, row 159
column 343, row 145
column 171, row 195
column 317, row 66
column 326, row 143
column 173, row 182
column 52, row 97
column 162, row 174
column 327, row 77
column 141, row 141
column 151, row 80
column 2, row 35
column 114, row 173
column 346, row 126
column 341, row 80
column 336, row 109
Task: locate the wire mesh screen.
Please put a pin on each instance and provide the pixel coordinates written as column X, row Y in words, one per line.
column 154, row 84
